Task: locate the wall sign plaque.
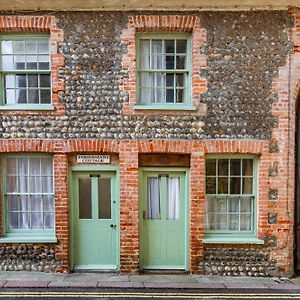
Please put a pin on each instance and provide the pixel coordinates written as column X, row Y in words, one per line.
column 93, row 159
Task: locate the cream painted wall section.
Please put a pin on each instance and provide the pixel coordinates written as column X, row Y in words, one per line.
column 145, row 4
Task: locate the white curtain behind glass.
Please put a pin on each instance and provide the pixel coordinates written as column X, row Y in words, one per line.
column 34, row 180
column 158, row 62
column 153, row 198
column 22, row 170
column 155, row 61
column 173, row 198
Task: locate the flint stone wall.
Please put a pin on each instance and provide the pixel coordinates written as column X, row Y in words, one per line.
column 244, row 51
column 22, row 257
column 229, row 261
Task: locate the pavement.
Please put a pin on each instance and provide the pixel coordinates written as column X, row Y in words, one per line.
column 22, row 279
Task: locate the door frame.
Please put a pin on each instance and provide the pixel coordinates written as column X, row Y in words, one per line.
column 186, row 172
column 93, row 168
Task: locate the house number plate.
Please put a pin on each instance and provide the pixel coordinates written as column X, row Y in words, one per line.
column 93, row 159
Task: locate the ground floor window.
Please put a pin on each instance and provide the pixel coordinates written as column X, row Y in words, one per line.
column 29, row 194
column 230, row 200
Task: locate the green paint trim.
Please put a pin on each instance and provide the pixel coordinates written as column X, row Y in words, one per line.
column 238, row 234
column 95, row 267
column 112, row 171
column 12, row 36
column 163, row 169
column 28, row 234
column 168, row 106
column 188, row 70
column 159, row 35
column 187, row 217
column 163, row 267
column 71, row 217
column 184, row 174
column 232, row 240
column 29, row 71
column 225, row 156
column 91, row 168
column 27, row 107
column 41, row 239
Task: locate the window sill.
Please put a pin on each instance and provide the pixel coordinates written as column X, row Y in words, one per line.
column 27, row 107
column 233, row 240
column 5, row 240
column 164, row 107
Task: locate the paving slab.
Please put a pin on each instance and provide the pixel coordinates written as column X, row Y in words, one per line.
column 296, row 280
column 120, row 284
column 162, row 278
column 23, row 275
column 234, row 280
column 283, row 286
column 243, row 285
column 2, row 283
column 64, row 284
column 26, row 284
column 96, row 277
column 181, row 285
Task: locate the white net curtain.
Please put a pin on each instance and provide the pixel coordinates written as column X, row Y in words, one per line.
column 29, row 193
column 172, row 198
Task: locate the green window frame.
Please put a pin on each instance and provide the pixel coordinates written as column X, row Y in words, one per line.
column 25, row 71
column 164, row 70
column 231, row 196
column 28, row 194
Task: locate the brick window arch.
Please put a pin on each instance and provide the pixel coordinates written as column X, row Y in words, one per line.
column 164, row 24
column 39, row 24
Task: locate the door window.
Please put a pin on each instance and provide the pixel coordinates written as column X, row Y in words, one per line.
column 173, row 203
column 153, row 186
column 104, row 196
column 85, row 198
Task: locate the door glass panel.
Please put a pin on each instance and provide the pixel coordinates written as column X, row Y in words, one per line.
column 153, row 189
column 173, row 203
column 85, row 198
column 104, row 198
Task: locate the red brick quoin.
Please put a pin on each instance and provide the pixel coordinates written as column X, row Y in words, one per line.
column 166, row 23
column 128, row 151
column 39, row 24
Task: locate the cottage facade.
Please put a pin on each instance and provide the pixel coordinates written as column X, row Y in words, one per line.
column 137, row 140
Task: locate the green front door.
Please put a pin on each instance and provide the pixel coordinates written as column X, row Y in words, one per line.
column 95, row 220
column 163, row 220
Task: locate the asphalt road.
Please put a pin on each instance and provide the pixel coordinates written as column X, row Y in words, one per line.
column 79, row 293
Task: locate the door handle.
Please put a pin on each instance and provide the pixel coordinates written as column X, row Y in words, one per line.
column 113, row 225
column 145, row 217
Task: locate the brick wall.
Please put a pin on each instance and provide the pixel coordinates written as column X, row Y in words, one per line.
column 128, row 162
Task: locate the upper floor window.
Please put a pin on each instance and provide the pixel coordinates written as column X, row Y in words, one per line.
column 25, row 70
column 164, row 69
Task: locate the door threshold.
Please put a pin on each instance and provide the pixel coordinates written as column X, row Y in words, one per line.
column 164, row 272
column 95, row 271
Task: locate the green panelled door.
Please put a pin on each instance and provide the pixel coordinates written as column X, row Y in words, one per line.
column 162, row 220
column 95, row 220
